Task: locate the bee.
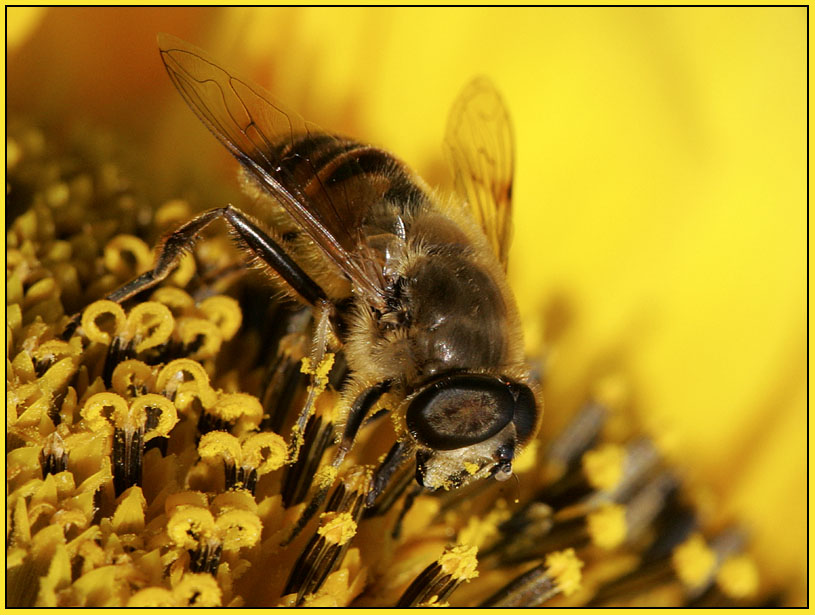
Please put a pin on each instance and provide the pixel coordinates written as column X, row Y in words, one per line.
column 411, row 286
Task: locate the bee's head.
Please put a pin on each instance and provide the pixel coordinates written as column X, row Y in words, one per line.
column 469, row 426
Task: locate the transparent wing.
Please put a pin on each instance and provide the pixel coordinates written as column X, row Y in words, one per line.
column 261, row 133
column 481, row 148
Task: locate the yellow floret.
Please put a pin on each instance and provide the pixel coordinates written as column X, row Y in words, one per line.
column 238, row 528
column 167, row 419
column 94, row 410
column 173, row 298
column 265, row 451
column 217, row 445
column 198, row 589
column 172, row 213
column 97, row 309
column 57, row 376
column 129, row 373
column 172, row 375
column 225, row 312
column 191, row 329
column 115, row 262
column 241, row 407
column 129, row 515
column 150, row 324
column 152, row 597
column 188, row 526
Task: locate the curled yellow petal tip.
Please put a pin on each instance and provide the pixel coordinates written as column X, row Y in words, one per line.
column 132, row 376
column 96, row 310
column 232, row 407
column 220, row 445
column 116, row 262
column 225, row 312
column 238, row 529
column 167, row 415
column 198, row 589
column 205, row 335
column 173, row 374
column 190, row 525
column 150, row 324
column 101, row 409
column 265, row 451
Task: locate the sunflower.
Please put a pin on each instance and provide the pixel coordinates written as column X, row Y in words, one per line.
column 143, row 466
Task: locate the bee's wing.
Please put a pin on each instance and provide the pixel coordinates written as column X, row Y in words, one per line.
column 256, row 128
column 480, row 145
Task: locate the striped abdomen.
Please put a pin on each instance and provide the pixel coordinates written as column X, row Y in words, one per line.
column 345, row 183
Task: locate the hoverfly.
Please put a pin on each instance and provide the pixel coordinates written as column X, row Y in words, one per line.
column 412, row 287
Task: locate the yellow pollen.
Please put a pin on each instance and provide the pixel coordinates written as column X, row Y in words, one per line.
column 174, row 298
column 94, row 410
column 172, row 213
column 607, row 526
column 564, row 568
column 325, row 476
column 603, row 466
column 460, row 562
column 152, row 597
column 131, row 372
column 170, row 379
column 337, row 528
column 693, row 561
column 188, row 526
column 471, row 468
column 738, row 577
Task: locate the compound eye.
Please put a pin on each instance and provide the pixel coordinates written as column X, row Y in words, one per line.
column 526, row 412
column 460, row 410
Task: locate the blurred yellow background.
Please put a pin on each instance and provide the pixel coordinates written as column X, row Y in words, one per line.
column 660, row 190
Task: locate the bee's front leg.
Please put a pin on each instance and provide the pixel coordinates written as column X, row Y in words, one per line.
column 259, row 243
column 362, row 405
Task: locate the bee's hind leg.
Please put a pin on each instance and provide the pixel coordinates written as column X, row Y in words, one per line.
column 258, row 242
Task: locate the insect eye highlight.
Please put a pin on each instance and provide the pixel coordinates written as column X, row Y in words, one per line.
column 460, row 410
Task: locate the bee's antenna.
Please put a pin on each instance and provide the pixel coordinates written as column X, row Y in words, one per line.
column 517, row 488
